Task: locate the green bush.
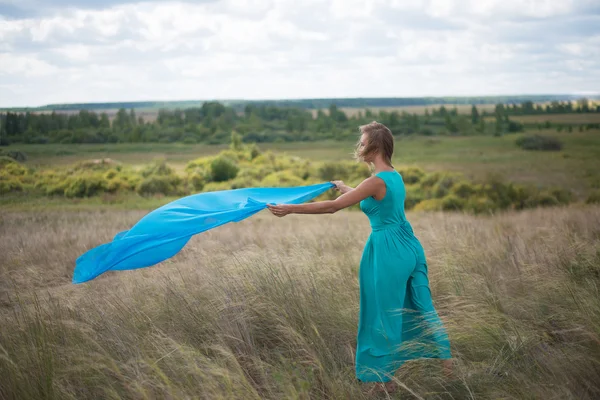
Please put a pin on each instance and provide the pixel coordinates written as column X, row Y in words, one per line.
column 158, row 167
column 116, row 184
column 479, row 205
column 84, row 186
column 282, row 179
column 411, row 175
column 429, row 180
column 452, row 203
column 519, row 195
column 158, row 184
column 254, row 151
column 497, row 191
column 332, row 171
column 216, row 186
column 414, row 195
column 13, row 168
column 563, row 196
column 10, row 185
column 234, row 169
column 243, row 182
column 542, row 199
column 196, row 181
column 443, row 185
column 462, row 189
column 429, row 205
column 110, row 174
column 539, row 142
column 223, row 169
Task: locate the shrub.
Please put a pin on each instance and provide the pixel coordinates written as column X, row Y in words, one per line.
column 443, row 186
column 429, row 180
column 452, row 203
column 243, row 182
column 166, row 185
column 411, row 175
column 429, row 205
column 497, row 191
column 480, row 204
column 331, row 171
column 254, row 151
column 563, row 196
column 215, row 186
column 10, row 167
column 542, row 199
column 10, row 185
column 110, row 174
column 414, row 195
column 539, row 142
column 282, row 179
column 223, row 169
column 462, row 189
column 117, row 185
column 519, row 195
column 196, row 181
column 202, row 163
column 158, row 167
column 84, row 186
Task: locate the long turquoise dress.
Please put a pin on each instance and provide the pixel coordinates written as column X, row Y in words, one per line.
column 397, row 319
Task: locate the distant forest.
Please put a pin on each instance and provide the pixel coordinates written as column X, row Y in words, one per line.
column 258, row 122
column 311, row 104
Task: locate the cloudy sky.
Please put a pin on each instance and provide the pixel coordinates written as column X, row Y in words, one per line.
column 64, row 51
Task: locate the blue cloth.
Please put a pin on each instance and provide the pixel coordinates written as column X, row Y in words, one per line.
column 163, row 232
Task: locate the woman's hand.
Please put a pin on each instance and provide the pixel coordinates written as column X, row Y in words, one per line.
column 341, row 186
column 280, row 210
column 338, row 185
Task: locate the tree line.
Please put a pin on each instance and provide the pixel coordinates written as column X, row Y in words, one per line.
column 213, row 122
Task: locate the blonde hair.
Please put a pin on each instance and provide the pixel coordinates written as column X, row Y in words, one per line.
column 379, row 141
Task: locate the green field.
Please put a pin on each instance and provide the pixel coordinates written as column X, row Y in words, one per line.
column 267, row 308
column 575, row 167
column 559, row 119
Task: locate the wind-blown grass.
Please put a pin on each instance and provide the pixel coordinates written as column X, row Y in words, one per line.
column 267, row 308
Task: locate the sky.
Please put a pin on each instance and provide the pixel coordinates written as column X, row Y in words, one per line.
column 67, row 51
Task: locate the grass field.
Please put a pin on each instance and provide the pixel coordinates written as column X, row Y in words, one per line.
column 587, row 118
column 575, row 167
column 420, row 110
column 267, row 309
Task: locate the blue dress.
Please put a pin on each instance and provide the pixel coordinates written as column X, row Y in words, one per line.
column 397, row 319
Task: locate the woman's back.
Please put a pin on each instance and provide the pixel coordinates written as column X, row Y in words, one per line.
column 388, row 211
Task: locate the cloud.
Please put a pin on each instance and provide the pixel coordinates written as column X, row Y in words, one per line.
column 88, row 51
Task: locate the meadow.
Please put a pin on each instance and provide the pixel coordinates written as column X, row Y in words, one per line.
column 477, row 157
column 267, row 308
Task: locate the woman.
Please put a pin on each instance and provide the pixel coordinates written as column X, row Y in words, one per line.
column 397, row 320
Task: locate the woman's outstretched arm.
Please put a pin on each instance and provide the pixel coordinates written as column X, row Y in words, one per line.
column 369, row 187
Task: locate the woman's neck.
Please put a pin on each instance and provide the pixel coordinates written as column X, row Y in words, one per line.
column 381, row 166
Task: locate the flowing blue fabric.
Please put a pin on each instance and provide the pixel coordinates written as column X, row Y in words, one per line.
column 163, row 232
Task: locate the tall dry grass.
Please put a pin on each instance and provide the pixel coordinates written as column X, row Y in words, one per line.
column 267, row 308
